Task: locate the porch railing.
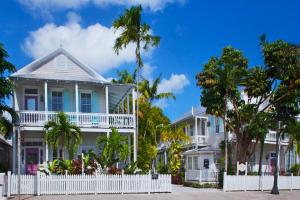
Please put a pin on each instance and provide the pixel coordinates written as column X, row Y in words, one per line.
column 200, row 139
column 204, row 175
column 271, row 137
column 86, row 120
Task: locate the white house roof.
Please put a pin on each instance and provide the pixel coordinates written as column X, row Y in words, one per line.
column 195, row 111
column 57, row 66
column 207, row 149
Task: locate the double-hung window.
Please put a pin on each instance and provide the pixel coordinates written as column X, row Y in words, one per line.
column 217, row 123
column 57, row 101
column 86, row 102
column 190, row 163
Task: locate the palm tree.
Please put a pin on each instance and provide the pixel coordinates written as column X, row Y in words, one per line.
column 125, row 77
column 174, row 138
column 114, row 148
column 149, row 91
column 6, row 89
column 62, row 132
column 133, row 30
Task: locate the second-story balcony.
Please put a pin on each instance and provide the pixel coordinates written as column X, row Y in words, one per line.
column 271, row 137
column 199, row 139
column 84, row 120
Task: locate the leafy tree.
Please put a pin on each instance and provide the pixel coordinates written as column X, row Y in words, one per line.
column 134, row 31
column 6, row 90
column 219, row 81
column 114, row 148
column 62, row 132
column 174, row 138
column 250, row 92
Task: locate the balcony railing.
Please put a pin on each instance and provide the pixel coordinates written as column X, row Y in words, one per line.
column 85, row 120
column 200, row 139
column 271, row 137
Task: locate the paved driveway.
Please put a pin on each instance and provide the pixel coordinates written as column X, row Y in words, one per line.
column 179, row 193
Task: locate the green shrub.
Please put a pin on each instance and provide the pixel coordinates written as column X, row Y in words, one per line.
column 198, row 185
column 295, row 169
column 3, row 167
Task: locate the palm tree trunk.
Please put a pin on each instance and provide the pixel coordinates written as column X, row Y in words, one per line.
column 63, row 152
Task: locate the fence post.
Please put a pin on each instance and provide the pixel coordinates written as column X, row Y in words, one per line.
column 262, row 182
column 8, row 183
column 149, row 182
column 292, row 181
column 225, row 182
column 122, row 182
column 38, row 183
column 66, row 181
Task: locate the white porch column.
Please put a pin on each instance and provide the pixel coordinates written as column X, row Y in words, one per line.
column 14, row 150
column 46, row 96
column 134, row 147
column 134, row 133
column 19, row 160
column 106, row 106
column 76, row 101
column 46, row 111
column 129, row 147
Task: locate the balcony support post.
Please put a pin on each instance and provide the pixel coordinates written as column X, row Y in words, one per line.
column 76, row 102
column 129, row 148
column 46, row 99
column 107, row 106
column 134, row 147
column 134, row 132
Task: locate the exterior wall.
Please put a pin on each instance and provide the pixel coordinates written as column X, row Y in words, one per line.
column 35, row 139
column 269, row 149
column 98, row 95
column 200, row 157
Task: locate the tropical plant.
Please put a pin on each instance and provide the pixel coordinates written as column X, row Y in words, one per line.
column 174, row 138
column 114, row 148
column 134, row 31
column 6, row 90
column 62, row 132
column 149, row 91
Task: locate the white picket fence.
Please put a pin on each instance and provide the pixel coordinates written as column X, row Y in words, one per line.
column 244, row 183
column 86, row 184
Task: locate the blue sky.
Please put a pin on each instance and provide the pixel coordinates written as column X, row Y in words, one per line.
column 191, row 32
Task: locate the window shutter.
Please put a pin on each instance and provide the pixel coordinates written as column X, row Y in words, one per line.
column 95, row 102
column 212, row 124
column 66, row 101
column 49, row 100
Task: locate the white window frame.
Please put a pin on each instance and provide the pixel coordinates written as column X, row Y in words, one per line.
column 31, row 95
column 62, row 95
column 86, row 92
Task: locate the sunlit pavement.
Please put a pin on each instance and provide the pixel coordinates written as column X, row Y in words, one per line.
column 179, row 193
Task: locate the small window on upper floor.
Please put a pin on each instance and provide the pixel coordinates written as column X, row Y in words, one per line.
column 57, row 101
column 86, row 102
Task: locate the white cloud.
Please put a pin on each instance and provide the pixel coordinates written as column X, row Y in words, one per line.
column 92, row 45
column 174, row 84
column 147, row 71
column 47, row 6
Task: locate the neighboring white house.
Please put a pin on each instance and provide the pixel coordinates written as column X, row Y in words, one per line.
column 202, row 155
column 59, row 82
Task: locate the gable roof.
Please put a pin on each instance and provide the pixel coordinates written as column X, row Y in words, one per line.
column 48, row 68
column 195, row 111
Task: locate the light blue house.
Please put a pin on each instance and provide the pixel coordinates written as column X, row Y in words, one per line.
column 59, row 82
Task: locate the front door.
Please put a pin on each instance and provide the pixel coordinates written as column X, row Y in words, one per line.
column 32, row 160
column 31, row 103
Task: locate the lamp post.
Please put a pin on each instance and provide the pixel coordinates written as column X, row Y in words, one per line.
column 275, row 183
